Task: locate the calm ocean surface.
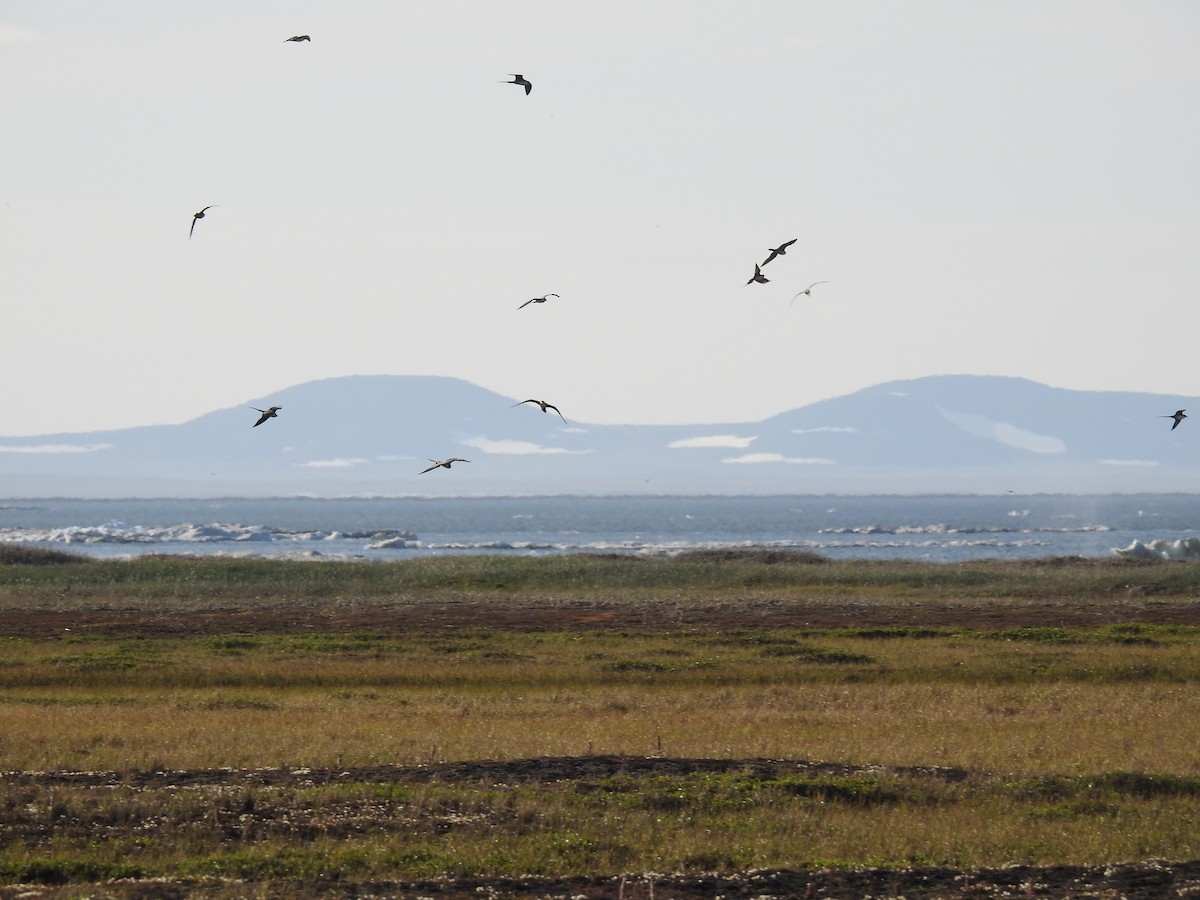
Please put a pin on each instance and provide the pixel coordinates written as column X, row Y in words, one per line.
column 937, row 528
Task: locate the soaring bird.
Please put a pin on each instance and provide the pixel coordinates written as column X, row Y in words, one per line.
column 544, row 405
column 758, row 276
column 781, row 250
column 521, row 80
column 807, row 292
column 266, row 414
column 442, row 463
column 297, row 37
column 1179, row 416
column 195, row 216
column 541, row 299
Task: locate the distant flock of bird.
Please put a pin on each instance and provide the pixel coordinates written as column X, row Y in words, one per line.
column 758, row 277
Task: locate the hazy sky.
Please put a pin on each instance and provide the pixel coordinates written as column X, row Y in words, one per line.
column 1004, row 188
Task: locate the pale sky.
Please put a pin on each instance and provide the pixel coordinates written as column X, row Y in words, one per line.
column 1004, row 188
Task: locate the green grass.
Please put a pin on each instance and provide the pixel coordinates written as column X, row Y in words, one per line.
column 1066, row 743
column 257, row 583
column 361, row 830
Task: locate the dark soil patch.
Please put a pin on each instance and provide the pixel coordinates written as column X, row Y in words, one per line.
column 521, row 615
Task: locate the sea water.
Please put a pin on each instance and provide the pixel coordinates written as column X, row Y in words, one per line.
column 933, row 528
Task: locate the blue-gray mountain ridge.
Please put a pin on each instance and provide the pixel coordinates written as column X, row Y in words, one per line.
column 371, row 435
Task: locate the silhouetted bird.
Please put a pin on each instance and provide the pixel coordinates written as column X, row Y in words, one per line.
column 197, row 216
column 442, row 463
column 781, row 250
column 758, row 276
column 1179, row 416
column 522, row 80
column 266, row 414
column 807, row 292
column 541, row 299
column 298, row 37
column 544, row 405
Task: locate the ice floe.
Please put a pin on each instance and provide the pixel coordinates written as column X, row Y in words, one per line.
column 1183, row 548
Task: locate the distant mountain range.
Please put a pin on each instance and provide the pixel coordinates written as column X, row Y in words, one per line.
column 372, row 435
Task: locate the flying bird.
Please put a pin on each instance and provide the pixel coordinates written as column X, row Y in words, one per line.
column 544, row 405
column 758, row 276
column 807, row 292
column 266, row 414
column 1179, row 416
column 442, row 463
column 298, row 37
column 521, row 80
column 541, row 299
column 195, row 216
column 781, row 250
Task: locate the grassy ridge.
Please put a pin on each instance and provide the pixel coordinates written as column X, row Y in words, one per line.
column 193, row 582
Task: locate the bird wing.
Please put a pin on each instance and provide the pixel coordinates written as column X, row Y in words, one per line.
column 555, row 408
column 787, row 244
column 193, row 228
column 528, row 87
column 526, row 303
column 774, row 253
column 261, row 419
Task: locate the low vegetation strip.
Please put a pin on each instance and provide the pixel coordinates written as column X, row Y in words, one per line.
column 524, row 827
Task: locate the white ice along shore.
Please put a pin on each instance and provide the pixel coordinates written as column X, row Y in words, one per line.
column 121, row 533
column 1184, row 548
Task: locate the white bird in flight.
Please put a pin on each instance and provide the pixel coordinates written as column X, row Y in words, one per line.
column 266, row 414
column 758, row 276
column 541, row 299
column 443, row 463
column 781, row 250
column 196, row 217
column 807, row 292
column 544, row 405
column 522, row 80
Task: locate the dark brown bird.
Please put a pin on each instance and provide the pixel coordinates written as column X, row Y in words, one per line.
column 1179, row 416
column 522, row 80
column 266, row 414
column 544, row 405
column 758, row 276
column 298, row 38
column 541, row 299
column 197, row 216
column 442, row 463
column 781, row 250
